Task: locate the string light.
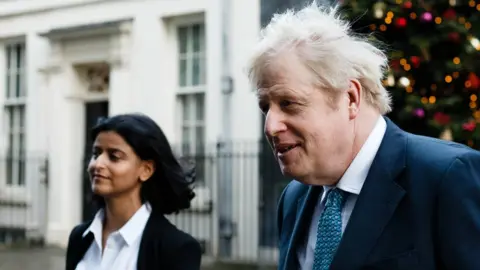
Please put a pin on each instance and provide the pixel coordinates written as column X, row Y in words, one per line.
column 448, row 79
column 390, row 80
column 476, row 114
column 404, row 81
column 456, row 61
column 438, row 20
column 475, row 43
column 432, row 99
column 473, row 97
column 471, row 3
column 383, row 27
column 413, row 15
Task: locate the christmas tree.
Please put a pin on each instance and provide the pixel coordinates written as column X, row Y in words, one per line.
column 434, row 54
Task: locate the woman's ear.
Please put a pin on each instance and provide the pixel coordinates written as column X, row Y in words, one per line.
column 147, row 170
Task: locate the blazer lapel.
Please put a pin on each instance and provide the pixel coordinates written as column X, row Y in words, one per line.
column 305, row 206
column 79, row 248
column 376, row 203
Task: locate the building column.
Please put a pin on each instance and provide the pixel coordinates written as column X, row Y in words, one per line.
column 65, row 153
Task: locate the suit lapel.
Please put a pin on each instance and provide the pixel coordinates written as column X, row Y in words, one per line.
column 305, row 207
column 79, row 247
column 376, row 203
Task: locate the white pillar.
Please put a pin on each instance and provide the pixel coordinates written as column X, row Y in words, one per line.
column 36, row 137
column 65, row 156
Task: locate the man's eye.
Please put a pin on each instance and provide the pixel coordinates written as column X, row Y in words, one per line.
column 264, row 108
column 285, row 103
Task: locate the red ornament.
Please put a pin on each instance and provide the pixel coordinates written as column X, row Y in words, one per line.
column 474, row 80
column 401, row 22
column 454, row 37
column 449, row 14
column 415, row 60
column 469, row 126
column 441, row 118
column 407, row 4
column 395, row 64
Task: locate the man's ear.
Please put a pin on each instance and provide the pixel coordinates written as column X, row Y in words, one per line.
column 354, row 94
column 147, row 170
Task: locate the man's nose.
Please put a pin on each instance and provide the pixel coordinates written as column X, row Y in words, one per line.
column 274, row 124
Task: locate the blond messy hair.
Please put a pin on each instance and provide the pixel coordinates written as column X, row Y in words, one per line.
column 324, row 42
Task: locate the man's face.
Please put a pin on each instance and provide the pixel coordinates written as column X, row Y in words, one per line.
column 310, row 131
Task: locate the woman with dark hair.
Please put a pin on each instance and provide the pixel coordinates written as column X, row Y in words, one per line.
column 136, row 181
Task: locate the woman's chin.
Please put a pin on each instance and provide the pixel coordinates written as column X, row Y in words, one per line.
column 101, row 190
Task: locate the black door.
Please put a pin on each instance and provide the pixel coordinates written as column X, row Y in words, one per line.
column 93, row 112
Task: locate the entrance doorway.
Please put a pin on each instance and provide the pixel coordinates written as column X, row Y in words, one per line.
column 93, row 112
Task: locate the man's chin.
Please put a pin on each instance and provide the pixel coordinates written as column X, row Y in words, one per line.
column 294, row 173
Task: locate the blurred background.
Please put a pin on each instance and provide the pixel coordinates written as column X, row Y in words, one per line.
column 65, row 63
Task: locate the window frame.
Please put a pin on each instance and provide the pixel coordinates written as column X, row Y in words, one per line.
column 14, row 114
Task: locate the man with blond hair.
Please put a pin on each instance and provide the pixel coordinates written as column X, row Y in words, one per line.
column 366, row 194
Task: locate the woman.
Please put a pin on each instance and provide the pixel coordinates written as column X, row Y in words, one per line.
column 136, row 180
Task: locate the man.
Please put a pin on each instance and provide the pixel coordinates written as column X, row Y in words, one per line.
column 367, row 195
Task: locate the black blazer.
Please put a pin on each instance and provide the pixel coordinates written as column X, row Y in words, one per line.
column 162, row 246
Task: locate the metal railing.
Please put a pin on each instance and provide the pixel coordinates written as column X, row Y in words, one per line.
column 23, row 199
column 233, row 214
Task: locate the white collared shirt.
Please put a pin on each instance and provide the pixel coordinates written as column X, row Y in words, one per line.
column 351, row 182
column 121, row 247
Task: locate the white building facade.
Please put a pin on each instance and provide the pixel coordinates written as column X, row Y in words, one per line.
column 68, row 62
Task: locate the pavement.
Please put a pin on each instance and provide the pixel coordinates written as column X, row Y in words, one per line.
column 32, row 259
column 52, row 258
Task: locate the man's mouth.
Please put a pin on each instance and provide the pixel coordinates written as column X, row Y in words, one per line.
column 284, row 148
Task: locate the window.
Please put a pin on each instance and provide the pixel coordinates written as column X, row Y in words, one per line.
column 191, row 96
column 14, row 110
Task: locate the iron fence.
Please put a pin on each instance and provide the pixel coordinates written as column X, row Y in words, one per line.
column 23, row 199
column 233, row 214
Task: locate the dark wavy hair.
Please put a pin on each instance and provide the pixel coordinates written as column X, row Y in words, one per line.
column 170, row 188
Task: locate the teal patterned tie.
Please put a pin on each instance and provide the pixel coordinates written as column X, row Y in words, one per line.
column 329, row 231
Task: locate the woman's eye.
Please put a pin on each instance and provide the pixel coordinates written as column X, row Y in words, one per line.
column 112, row 157
column 95, row 154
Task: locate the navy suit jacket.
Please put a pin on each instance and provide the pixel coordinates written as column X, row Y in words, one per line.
column 419, row 208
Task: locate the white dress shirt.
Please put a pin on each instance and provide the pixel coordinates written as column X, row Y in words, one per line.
column 351, row 182
column 121, row 247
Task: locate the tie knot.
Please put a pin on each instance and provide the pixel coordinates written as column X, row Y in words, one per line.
column 336, row 197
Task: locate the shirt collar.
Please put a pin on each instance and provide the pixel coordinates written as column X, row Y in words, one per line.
column 356, row 174
column 129, row 232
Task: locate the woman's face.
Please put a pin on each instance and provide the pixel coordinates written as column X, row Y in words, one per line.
column 115, row 170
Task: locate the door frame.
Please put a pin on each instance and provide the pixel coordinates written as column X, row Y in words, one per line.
column 87, row 214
